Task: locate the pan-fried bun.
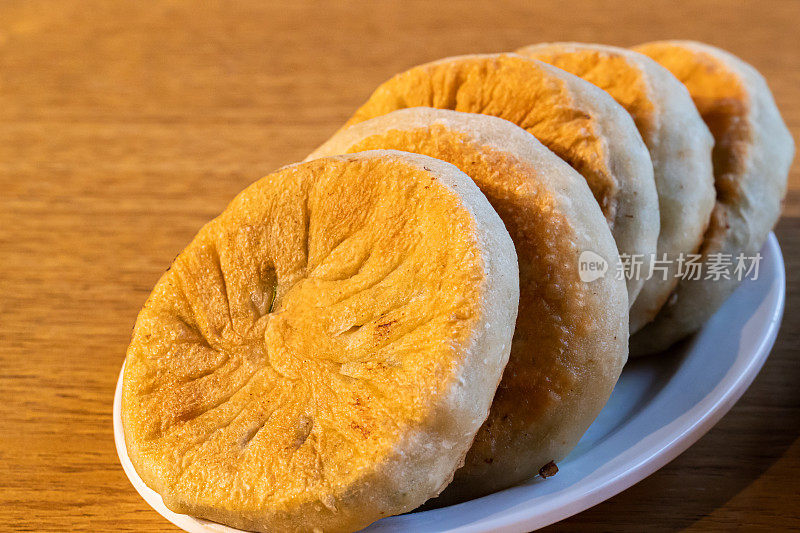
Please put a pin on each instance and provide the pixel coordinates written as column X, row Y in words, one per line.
column 752, row 155
column 571, row 335
column 323, row 353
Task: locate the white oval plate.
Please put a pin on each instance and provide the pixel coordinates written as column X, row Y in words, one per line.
column 660, row 406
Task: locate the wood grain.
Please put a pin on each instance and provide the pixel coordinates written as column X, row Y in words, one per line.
column 124, row 126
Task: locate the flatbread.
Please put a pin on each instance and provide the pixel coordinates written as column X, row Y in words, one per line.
column 323, row 353
column 576, row 120
column 680, row 149
column 752, row 155
column 570, row 341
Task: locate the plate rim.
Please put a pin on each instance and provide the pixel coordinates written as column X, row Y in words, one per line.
column 721, row 399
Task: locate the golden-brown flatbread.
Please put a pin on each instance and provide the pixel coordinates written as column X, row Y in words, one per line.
column 570, row 341
column 680, row 149
column 573, row 118
column 753, row 151
column 323, row 353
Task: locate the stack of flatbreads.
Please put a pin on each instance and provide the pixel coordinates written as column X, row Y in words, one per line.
column 439, row 301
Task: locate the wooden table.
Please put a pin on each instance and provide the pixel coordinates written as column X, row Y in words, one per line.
column 124, row 126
